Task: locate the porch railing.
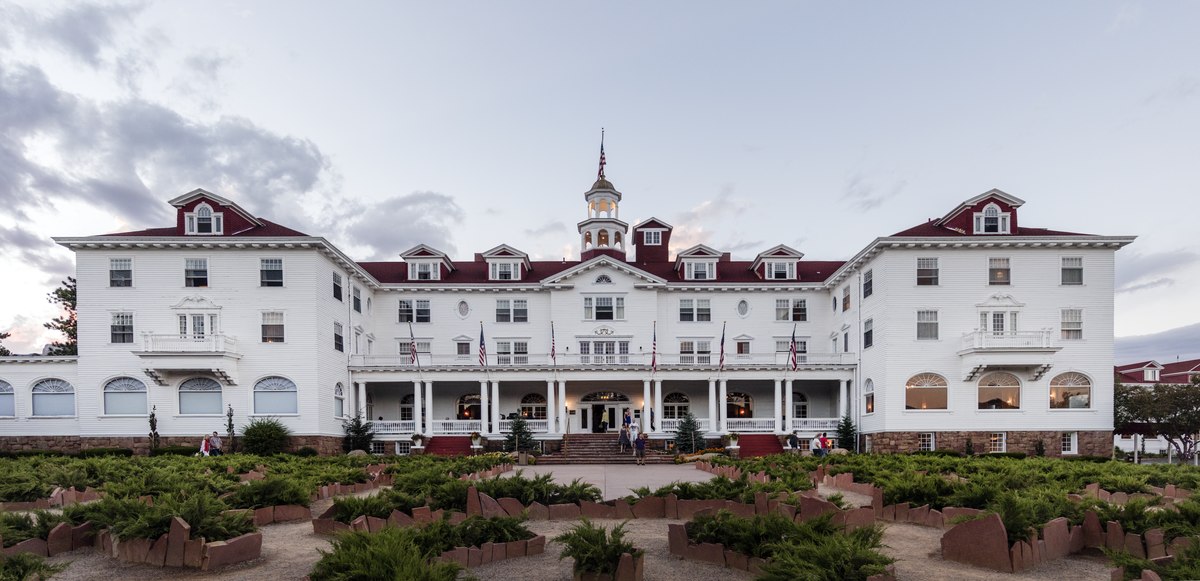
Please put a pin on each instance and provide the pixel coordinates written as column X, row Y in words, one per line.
column 814, row 424
column 1043, row 339
column 664, row 360
column 673, row 425
column 535, row 426
column 750, row 424
column 210, row 343
column 387, row 427
column 456, row 426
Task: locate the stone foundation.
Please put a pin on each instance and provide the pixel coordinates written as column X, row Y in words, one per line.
column 1094, row 443
column 325, row 445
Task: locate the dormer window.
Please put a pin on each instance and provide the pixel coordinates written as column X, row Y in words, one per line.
column 204, row 221
column 701, row 271
column 992, row 221
column 1151, row 375
column 652, row 237
column 423, row 271
column 781, row 270
column 504, row 271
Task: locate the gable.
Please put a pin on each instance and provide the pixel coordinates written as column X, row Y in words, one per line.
column 586, row 273
column 652, row 224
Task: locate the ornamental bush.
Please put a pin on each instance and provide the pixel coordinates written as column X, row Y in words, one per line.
column 265, row 436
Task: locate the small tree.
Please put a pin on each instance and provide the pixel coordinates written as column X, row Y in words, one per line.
column 230, row 444
column 520, row 438
column 67, row 323
column 266, row 436
column 688, row 437
column 359, row 434
column 847, row 433
column 153, row 428
column 1168, row 410
column 970, row 448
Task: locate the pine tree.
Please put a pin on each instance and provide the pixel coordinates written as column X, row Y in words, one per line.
column 4, row 352
column 688, row 437
column 67, row 324
column 359, row 434
column 520, row 438
column 847, row 433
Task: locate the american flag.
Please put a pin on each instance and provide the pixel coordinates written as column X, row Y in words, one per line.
column 792, row 351
column 654, row 349
column 553, row 352
column 412, row 346
column 482, row 347
column 600, row 175
column 721, row 362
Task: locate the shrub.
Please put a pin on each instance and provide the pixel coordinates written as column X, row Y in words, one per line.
column 348, row 508
column 265, row 436
column 272, row 491
column 595, row 549
column 175, row 451
column 17, row 487
column 27, row 567
column 752, row 536
column 389, row 554
column 203, row 511
column 93, row 452
column 852, row 556
column 359, row 434
column 307, row 452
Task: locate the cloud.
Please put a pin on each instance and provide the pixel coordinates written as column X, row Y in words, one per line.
column 736, row 248
column 695, row 226
column 1180, row 89
column 37, row 251
column 84, row 31
column 866, row 195
column 1137, row 271
column 551, row 228
column 28, row 335
column 397, row 223
column 1166, row 346
column 1128, row 15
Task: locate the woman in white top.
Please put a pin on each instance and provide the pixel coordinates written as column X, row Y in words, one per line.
column 633, row 432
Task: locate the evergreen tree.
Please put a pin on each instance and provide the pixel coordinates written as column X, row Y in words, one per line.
column 520, row 439
column 688, row 437
column 847, row 433
column 359, row 434
column 66, row 324
column 4, row 352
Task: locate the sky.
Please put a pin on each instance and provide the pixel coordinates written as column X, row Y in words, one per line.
column 464, row 125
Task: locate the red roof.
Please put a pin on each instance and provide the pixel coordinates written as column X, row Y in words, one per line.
column 1174, row 372
column 392, row 272
column 268, row 229
column 931, row 229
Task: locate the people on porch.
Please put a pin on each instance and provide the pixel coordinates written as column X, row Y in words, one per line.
column 634, row 430
column 628, row 419
column 640, row 449
column 793, row 441
column 623, row 439
column 604, row 421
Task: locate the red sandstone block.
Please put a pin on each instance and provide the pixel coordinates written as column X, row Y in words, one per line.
column 491, row 508
column 499, row 551
column 59, row 539
column 264, row 516
column 628, row 568
column 677, row 541
column 622, row 509
column 177, row 539
column 375, row 524
column 1093, row 532
column 736, row 560
column 1058, row 538
column 511, row 506
column 594, row 510
column 158, row 551
column 292, row 512
column 650, row 507
column 813, row 507
column 1076, row 542
column 918, row 515
column 671, row 506
column 564, row 511
column 1114, row 537
column 982, row 543
column 473, row 506
column 859, row 518
column 456, row 555
column 422, row 515
column 485, row 553
column 538, row 511
column 935, row 519
column 360, row 524
column 889, row 513
column 1134, row 546
column 536, row 545
column 32, row 546
column 235, row 550
column 786, row 510
column 474, row 557
column 82, row 536
column 518, row 549
column 1015, row 555
column 1154, row 544
column 399, row 519
column 707, row 552
column 740, row 509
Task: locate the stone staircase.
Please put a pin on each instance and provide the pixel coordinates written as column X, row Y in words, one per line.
column 753, row 445
column 600, row 449
column 449, row 446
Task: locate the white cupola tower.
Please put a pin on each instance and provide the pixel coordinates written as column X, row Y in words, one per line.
column 602, row 232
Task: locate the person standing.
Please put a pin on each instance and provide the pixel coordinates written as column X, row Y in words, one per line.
column 214, row 445
column 623, row 439
column 793, row 442
column 634, row 430
column 204, row 446
column 825, row 444
column 814, row 446
column 604, row 421
column 640, row 449
column 628, row 419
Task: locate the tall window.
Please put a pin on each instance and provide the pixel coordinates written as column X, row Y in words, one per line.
column 799, row 405
column 925, row 391
column 742, row 347
column 695, row 351
column 270, row 272
column 992, row 221
column 927, row 325
column 675, row 405
column 926, row 442
column 1072, row 270
column 337, row 286
column 604, row 308
column 998, row 271
column 272, row 327
column 846, row 298
column 783, row 350
column 868, row 333
column 406, row 407
column 512, row 311
column 604, row 352
column 781, row 270
column 423, row 350
column 652, row 237
column 997, row 442
column 275, row 395
column 462, row 349
column 120, row 272
column 53, row 397
column 510, row 352
column 739, row 405
column 999, row 390
column 1072, row 324
column 122, row 328
column 200, row 396
column 533, row 406
column 339, row 401
column 701, row 270
column 504, row 271
column 468, row 407
column 338, row 339
column 203, row 221
column 414, row 311
column 868, row 397
column 998, row 322
column 791, row 310
column 423, row 271
column 195, row 272
column 868, row 283
column 695, row 310
column 356, row 294
column 1071, row 390
column 8, row 400
column 927, row 272
column 125, row 396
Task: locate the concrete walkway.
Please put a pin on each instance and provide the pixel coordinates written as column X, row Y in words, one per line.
column 618, row 480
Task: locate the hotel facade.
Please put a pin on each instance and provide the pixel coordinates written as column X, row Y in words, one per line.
column 969, row 327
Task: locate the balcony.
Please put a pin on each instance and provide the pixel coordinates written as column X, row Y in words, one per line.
column 591, row 361
column 173, row 354
column 814, row 424
column 673, row 425
column 1030, row 351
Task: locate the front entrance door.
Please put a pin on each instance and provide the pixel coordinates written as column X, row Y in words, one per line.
column 598, row 417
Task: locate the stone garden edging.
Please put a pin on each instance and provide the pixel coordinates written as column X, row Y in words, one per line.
column 469, row 557
column 57, row 499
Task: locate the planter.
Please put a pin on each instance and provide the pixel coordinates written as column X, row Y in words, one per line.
column 522, row 458
column 629, row 569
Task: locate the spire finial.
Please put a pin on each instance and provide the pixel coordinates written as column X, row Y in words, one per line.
column 600, row 174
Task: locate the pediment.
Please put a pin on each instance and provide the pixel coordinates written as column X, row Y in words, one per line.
column 196, row 303
column 599, row 265
column 699, row 251
column 652, row 224
column 776, row 252
column 423, row 251
column 1000, row 300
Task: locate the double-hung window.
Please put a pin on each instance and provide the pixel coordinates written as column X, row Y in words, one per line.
column 791, row 310
column 414, row 311
column 695, row 310
column 781, row 270
column 695, row 351
column 512, row 352
column 503, row 271
column 868, row 283
column 120, row 272
column 1072, row 270
column 927, row 272
column 998, row 271
column 356, row 295
column 1072, row 324
column 512, row 311
column 927, row 325
column 338, row 338
column 783, row 350
column 423, row 271
column 652, row 237
column 270, row 272
column 604, row 308
column 195, row 272
column 122, row 328
column 272, row 327
column 337, row 286
column 868, row 333
column 846, row 298
column 701, row 270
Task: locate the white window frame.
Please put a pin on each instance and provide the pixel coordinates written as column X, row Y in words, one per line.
column 868, row 285
column 997, row 442
column 504, row 271
column 418, row 309
column 356, row 298
column 772, row 270
column 51, row 390
column 339, row 337
column 404, row 349
column 787, row 309
column 124, row 390
column 709, row 270
column 196, row 262
column 263, row 324
column 992, row 212
column 198, row 381
column 926, row 441
column 8, row 397
column 275, row 384
column 845, row 298
column 113, row 263
column 118, row 317
column 512, row 351
column 192, row 221
column 424, row 270
column 592, row 304
column 868, row 333
column 339, row 290
column 929, row 263
column 936, row 325
column 652, row 237
column 1069, row 443
column 339, row 401
column 737, row 348
column 996, row 265
column 263, row 263
column 868, row 397
column 1071, row 324
column 695, row 350
column 1070, row 264
column 512, row 310
column 694, row 310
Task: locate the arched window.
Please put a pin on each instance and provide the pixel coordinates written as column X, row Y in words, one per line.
column 533, row 406
column 274, row 395
column 603, row 396
column 999, row 391
column 799, row 405
column 8, row 400
column 370, row 406
column 339, row 401
column 925, row 391
column 53, row 397
column 617, row 239
column 406, row 408
column 125, row 396
column 587, row 240
column 675, row 405
column 468, row 407
column 1071, row 390
column 602, row 238
column 738, row 405
column 869, row 397
column 200, row 396
column 603, row 279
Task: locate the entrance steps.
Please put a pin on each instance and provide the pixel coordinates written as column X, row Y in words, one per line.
column 600, row 449
column 753, row 445
column 449, row 446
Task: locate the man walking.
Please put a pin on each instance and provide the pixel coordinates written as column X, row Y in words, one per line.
column 814, row 446
column 640, row 449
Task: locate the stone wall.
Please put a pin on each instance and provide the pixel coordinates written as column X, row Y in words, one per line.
column 326, row 445
column 1089, row 443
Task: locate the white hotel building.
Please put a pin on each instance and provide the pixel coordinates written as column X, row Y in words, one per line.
column 973, row 326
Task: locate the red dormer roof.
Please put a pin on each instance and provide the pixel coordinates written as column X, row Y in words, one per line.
column 266, row 228
column 932, row 229
column 393, row 272
column 652, row 223
column 1174, row 372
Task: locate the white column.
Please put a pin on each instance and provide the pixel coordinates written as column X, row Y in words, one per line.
column 429, row 406
column 722, row 406
column 789, row 406
column 565, row 418
column 496, row 405
column 843, row 387
column 646, row 405
column 483, row 407
column 551, row 409
column 712, row 405
column 658, row 407
column 361, row 399
column 778, row 405
column 418, row 411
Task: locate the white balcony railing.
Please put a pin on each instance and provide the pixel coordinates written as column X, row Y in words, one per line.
column 673, row 425
column 456, row 426
column 535, row 426
column 1043, row 339
column 210, row 343
column 750, row 424
column 814, row 424
column 664, row 360
column 388, row 427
